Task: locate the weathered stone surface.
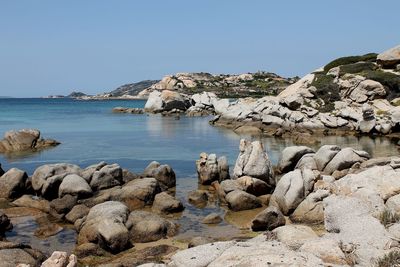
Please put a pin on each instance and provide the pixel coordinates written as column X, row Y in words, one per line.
column 294, row 236
column 325, row 154
column 198, row 241
column 344, row 159
column 12, row 183
column 253, row 186
column 15, row 256
column 5, row 224
column 290, row 156
column 212, row 218
column 327, row 250
column 63, row 205
column 165, row 203
column 198, row 197
column 22, row 140
column 390, row 58
column 60, row 259
column 146, row 227
column 393, row 203
column 88, row 172
column 47, row 178
column 139, row 193
column 240, row 200
column 166, row 100
column 162, row 173
column 75, row 185
column 311, row 209
column 253, row 161
column 32, row 202
column 107, row 177
column 105, row 225
column 268, row 219
column 77, row 212
column 210, row 169
column 292, row 188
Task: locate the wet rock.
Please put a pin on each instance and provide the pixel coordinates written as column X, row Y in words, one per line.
column 75, row 185
column 22, row 140
column 311, row 209
column 14, row 256
column 240, row 200
column 107, row 177
column 253, row 186
column 1, row 171
column 292, row 188
column 77, row 212
column 198, row 197
column 33, row 202
column 210, row 169
column 63, row 205
column 12, row 183
column 253, row 161
column 212, row 218
column 165, row 203
column 344, row 159
column 47, row 228
column 5, row 224
column 198, row 241
column 128, row 110
column 268, row 219
column 139, row 193
column 47, row 178
column 162, row 173
column 294, row 236
column 105, row 225
column 146, row 227
column 89, row 249
column 290, row 156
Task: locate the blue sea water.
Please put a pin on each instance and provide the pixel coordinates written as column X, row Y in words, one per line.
column 89, row 132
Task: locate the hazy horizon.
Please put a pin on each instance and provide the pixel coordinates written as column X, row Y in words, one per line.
column 52, row 48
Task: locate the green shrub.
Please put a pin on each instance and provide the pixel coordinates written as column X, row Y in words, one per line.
column 327, row 90
column 371, row 57
column 392, row 259
column 389, row 80
column 357, row 67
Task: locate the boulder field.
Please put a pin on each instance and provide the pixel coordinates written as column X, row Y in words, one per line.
column 331, row 206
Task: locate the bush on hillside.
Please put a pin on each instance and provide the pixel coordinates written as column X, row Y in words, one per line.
column 357, row 67
column 389, row 80
column 327, row 90
column 371, row 57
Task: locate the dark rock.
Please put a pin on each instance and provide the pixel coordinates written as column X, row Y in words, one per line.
column 128, row 176
column 198, row 198
column 198, row 241
column 139, row 193
column 1, row 170
column 89, row 249
column 63, row 205
column 107, row 177
column 268, row 219
column 5, row 224
column 77, row 212
column 239, row 200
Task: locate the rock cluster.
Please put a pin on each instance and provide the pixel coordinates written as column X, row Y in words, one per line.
column 24, row 140
column 210, row 168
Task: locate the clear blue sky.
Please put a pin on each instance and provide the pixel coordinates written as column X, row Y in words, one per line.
column 53, row 47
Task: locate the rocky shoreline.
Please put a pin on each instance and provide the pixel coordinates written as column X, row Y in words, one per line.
column 113, row 210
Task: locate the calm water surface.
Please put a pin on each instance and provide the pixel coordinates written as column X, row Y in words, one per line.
column 90, row 132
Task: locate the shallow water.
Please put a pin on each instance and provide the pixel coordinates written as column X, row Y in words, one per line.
column 90, row 132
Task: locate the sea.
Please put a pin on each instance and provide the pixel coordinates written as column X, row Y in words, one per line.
column 89, row 133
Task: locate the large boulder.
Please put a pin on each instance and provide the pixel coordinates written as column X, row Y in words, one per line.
column 164, row 174
column 311, row 209
column 390, row 58
column 12, row 183
column 139, row 193
column 105, row 226
column 22, row 140
column 324, row 155
column 165, row 203
column 75, row 185
column 292, row 189
column 210, row 169
column 47, row 178
column 239, row 200
column 294, row 236
column 344, row 159
column 107, row 177
column 166, row 100
column 253, row 161
column 252, row 185
column 145, row 227
column 88, row 172
column 268, row 219
column 290, row 156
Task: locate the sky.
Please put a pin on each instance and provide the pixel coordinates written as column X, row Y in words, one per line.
column 52, row 47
